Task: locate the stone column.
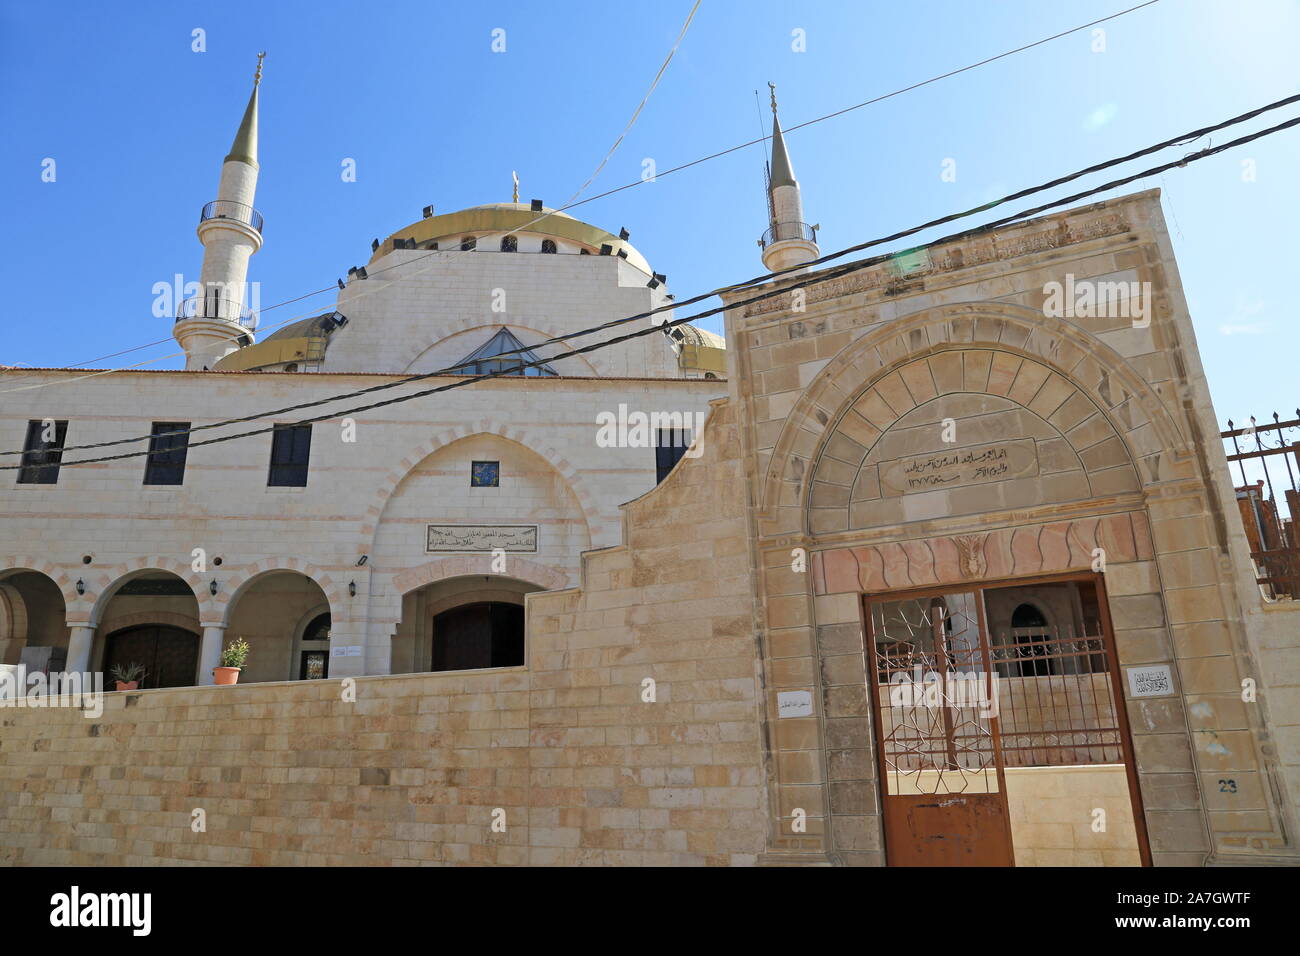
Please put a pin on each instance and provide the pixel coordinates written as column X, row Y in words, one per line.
column 210, row 651
column 80, row 639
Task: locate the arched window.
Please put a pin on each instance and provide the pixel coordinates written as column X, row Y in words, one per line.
column 468, row 243
column 548, row 245
column 509, row 244
column 1031, row 638
column 483, row 360
column 315, row 653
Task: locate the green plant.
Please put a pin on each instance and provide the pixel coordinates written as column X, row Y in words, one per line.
column 235, row 654
column 128, row 672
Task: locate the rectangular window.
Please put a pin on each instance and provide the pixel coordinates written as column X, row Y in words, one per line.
column 290, row 451
column 168, row 445
column 42, row 452
column 670, row 445
column 485, row 474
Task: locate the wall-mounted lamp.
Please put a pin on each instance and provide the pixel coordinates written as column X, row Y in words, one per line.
column 213, row 586
column 352, row 588
column 81, row 586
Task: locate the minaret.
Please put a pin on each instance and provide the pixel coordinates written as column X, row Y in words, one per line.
column 215, row 323
column 789, row 241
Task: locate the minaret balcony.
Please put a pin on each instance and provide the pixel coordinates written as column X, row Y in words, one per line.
column 228, row 209
column 216, row 309
column 782, row 231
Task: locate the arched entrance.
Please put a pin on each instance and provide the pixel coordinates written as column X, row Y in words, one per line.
column 149, row 617
column 285, row 618
column 32, row 621
column 462, row 623
column 169, row 655
column 486, row 634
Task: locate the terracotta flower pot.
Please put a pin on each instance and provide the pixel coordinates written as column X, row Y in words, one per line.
column 226, row 675
column 128, row 684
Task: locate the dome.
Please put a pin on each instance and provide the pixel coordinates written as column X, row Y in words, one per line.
column 505, row 218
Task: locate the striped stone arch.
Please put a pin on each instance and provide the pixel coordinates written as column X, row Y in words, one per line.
column 232, row 588
column 105, row 585
column 550, row 328
column 874, row 364
column 520, row 436
column 441, row 569
column 76, row 606
column 65, row 581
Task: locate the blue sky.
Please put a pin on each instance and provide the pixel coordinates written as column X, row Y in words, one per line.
column 138, row 125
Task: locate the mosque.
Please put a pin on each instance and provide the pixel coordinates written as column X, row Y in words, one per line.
column 948, row 575
column 314, row 541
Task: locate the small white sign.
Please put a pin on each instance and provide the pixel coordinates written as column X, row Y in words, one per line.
column 1150, row 680
column 794, row 703
column 338, row 652
column 354, row 650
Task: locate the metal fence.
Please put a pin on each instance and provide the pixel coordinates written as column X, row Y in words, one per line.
column 1266, row 460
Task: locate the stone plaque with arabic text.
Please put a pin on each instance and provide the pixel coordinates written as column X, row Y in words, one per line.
column 482, row 537
column 973, row 465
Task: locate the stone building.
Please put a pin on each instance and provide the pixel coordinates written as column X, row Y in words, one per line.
column 953, row 574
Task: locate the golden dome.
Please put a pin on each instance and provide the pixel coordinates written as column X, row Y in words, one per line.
column 511, row 217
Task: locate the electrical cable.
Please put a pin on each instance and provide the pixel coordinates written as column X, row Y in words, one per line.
column 779, row 291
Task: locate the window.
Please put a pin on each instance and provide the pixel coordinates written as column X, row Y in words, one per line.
column 168, row 446
column 290, row 451
column 42, row 452
column 485, row 474
column 468, row 243
column 482, row 361
column 548, row 245
column 1032, row 641
column 670, row 445
column 509, row 244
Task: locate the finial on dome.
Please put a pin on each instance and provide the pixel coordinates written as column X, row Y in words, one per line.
column 257, row 77
column 515, row 176
column 772, row 86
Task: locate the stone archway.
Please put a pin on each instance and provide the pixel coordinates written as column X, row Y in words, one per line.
column 871, row 371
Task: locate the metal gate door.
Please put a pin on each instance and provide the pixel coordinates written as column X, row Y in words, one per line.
column 967, row 683
column 936, row 732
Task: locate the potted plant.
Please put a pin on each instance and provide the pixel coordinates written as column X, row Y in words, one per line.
column 128, row 676
column 232, row 661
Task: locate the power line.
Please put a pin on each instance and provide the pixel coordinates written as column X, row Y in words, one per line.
column 765, row 277
column 696, row 162
column 780, row 291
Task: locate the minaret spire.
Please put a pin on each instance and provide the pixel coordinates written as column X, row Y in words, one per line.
column 217, row 322
column 244, row 149
column 789, row 241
